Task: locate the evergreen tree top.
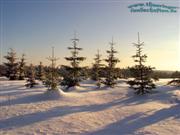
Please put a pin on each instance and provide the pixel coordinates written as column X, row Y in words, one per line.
column 11, row 59
column 22, row 61
column 75, row 40
column 53, row 59
column 98, row 56
column 139, row 57
column 97, row 60
column 11, row 55
column 75, row 50
column 112, row 50
column 139, row 43
column 111, row 59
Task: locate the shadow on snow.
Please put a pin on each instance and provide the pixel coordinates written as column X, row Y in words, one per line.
column 131, row 124
column 127, row 125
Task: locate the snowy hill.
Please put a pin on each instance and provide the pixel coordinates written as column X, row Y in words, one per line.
column 87, row 110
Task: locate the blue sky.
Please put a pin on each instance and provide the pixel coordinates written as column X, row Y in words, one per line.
column 33, row 26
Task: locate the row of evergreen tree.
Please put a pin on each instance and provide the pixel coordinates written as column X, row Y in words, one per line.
column 18, row 70
column 70, row 76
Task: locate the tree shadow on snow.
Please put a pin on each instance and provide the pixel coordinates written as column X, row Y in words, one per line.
column 19, row 92
column 11, row 88
column 37, row 97
column 24, row 120
column 132, row 123
column 128, row 125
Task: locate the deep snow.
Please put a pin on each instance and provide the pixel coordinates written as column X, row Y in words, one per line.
column 88, row 110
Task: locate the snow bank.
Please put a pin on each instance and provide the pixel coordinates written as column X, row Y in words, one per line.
column 54, row 94
column 76, row 88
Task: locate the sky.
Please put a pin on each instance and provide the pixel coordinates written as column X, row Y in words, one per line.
column 34, row 26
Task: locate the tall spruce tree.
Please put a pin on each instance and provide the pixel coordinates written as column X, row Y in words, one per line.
column 40, row 72
column 96, row 69
column 111, row 60
column 72, row 78
column 52, row 77
column 11, row 65
column 143, row 82
column 31, row 77
column 21, row 68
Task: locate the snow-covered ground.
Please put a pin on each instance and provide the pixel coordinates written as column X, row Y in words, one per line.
column 87, row 110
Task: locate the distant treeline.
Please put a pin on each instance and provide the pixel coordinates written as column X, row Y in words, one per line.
column 86, row 72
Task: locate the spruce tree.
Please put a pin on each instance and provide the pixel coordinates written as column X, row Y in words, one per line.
column 11, row 65
column 143, row 82
column 96, row 69
column 21, row 68
column 51, row 80
column 111, row 60
column 31, row 77
column 72, row 78
column 40, row 72
column 52, row 77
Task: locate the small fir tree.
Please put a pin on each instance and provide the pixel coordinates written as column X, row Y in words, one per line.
column 96, row 69
column 72, row 78
column 11, row 65
column 40, row 72
column 111, row 75
column 31, row 77
column 21, row 68
column 143, row 82
column 51, row 81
